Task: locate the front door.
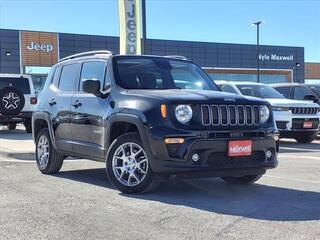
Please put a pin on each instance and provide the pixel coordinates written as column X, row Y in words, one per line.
column 89, row 114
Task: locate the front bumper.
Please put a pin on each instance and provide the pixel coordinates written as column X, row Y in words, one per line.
column 214, row 160
column 5, row 119
column 289, row 124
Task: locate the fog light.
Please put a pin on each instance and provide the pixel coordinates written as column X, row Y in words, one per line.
column 195, row 157
column 268, row 154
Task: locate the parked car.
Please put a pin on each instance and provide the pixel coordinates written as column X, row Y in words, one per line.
column 17, row 100
column 309, row 92
column 149, row 117
column 294, row 119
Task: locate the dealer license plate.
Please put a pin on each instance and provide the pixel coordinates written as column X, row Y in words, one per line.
column 240, row 148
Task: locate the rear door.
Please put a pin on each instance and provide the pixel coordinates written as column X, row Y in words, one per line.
column 89, row 111
column 60, row 104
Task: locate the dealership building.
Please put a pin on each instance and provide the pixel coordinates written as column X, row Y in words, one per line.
column 33, row 52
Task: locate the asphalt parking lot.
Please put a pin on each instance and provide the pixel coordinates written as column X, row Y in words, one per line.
column 80, row 203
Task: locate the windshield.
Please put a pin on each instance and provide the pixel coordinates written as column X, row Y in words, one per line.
column 160, row 73
column 21, row 84
column 260, row 91
column 315, row 89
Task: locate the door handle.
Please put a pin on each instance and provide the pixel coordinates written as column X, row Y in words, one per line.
column 52, row 102
column 77, row 104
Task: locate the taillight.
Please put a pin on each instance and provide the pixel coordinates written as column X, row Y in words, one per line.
column 33, row 100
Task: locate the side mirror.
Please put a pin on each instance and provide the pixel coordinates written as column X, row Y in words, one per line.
column 311, row 97
column 92, row 86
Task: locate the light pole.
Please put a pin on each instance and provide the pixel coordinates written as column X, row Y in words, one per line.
column 144, row 27
column 258, row 47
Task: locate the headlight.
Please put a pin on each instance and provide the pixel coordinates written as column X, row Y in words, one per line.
column 280, row 109
column 183, row 113
column 264, row 114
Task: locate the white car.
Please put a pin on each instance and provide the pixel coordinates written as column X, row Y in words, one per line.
column 17, row 100
column 294, row 119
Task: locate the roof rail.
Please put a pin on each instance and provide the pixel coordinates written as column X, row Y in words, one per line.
column 84, row 54
column 177, row 56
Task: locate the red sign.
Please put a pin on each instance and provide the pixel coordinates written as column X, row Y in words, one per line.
column 240, row 148
column 307, row 124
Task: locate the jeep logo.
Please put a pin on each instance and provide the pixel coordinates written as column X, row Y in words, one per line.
column 40, row 47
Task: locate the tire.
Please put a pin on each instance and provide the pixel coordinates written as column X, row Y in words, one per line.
column 28, row 126
column 53, row 163
column 305, row 139
column 248, row 179
column 11, row 101
column 11, row 126
column 134, row 174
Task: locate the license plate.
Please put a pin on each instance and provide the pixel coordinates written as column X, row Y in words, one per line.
column 240, row 148
column 307, row 124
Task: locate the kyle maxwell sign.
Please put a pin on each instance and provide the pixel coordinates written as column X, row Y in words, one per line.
column 275, row 57
column 39, row 48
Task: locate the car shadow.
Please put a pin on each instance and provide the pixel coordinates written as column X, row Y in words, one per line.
column 256, row 201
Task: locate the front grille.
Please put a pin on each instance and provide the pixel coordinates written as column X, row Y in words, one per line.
column 230, row 115
column 304, row 110
column 222, row 160
column 297, row 123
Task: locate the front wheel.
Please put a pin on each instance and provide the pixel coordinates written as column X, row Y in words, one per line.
column 248, row 179
column 128, row 166
column 49, row 161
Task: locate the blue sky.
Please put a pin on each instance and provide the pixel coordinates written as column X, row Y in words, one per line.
column 289, row 23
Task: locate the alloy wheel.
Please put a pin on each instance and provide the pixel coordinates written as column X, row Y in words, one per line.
column 130, row 164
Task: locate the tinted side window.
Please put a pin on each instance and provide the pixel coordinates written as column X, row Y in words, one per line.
column 21, row 84
column 56, row 76
column 285, row 91
column 69, row 76
column 301, row 92
column 92, row 70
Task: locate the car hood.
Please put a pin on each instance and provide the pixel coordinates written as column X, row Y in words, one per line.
column 189, row 96
column 284, row 102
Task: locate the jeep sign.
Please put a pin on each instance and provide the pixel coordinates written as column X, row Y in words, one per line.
column 129, row 18
column 38, row 48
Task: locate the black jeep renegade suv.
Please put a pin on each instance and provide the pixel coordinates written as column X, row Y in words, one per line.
column 150, row 117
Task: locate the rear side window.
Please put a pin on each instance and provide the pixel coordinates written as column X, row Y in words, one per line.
column 69, row 77
column 21, row 84
column 285, row 91
column 92, row 70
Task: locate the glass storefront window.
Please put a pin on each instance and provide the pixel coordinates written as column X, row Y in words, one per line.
column 264, row 78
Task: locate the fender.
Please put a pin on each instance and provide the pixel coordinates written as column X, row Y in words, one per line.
column 46, row 117
column 139, row 121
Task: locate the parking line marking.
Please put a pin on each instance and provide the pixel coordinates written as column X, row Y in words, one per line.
column 291, row 179
column 300, row 149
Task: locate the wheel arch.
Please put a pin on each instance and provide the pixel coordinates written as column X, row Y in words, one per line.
column 40, row 121
column 120, row 123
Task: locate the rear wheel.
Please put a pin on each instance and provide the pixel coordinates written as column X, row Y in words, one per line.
column 242, row 180
column 49, row 161
column 305, row 139
column 128, row 165
column 11, row 126
column 28, row 126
